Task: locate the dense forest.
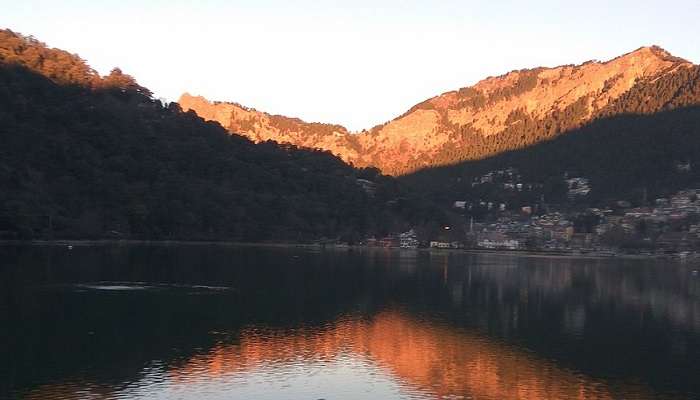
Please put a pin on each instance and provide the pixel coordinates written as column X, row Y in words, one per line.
column 90, row 156
column 632, row 148
column 671, row 91
column 85, row 156
column 652, row 148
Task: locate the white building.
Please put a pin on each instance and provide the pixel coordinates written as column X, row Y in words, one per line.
column 408, row 240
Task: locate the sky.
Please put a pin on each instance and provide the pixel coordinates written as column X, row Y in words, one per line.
column 356, row 63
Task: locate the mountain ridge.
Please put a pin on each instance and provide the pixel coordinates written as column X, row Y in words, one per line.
column 466, row 124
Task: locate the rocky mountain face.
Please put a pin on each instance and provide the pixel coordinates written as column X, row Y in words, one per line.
column 495, row 115
column 260, row 126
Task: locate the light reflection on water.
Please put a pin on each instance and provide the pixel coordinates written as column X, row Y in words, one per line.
column 346, row 376
column 428, row 359
column 389, row 357
column 297, row 325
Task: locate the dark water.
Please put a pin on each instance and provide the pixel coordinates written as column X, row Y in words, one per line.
column 204, row 322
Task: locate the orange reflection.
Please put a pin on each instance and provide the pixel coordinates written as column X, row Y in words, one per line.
column 433, row 359
column 436, row 360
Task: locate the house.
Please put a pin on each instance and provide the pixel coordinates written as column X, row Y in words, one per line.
column 507, row 244
column 578, row 187
column 368, row 186
column 683, row 166
column 497, row 240
column 408, row 240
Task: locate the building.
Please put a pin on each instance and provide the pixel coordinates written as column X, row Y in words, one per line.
column 497, row 240
column 578, row 187
column 408, row 240
column 368, row 186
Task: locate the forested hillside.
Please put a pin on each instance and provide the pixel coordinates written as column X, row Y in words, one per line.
column 629, row 156
column 498, row 114
column 85, row 156
column 629, row 125
column 82, row 155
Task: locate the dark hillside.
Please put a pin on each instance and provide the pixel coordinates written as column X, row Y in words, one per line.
column 626, row 156
column 84, row 156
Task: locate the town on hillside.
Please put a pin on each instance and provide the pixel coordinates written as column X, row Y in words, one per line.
column 664, row 226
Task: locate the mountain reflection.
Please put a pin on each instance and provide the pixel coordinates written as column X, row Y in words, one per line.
column 344, row 325
column 432, row 358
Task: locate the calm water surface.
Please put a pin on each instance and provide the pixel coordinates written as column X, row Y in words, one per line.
column 208, row 322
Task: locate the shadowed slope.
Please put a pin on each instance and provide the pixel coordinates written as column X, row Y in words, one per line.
column 84, row 156
column 629, row 156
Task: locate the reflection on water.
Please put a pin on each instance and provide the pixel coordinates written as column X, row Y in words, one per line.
column 426, row 358
column 422, row 360
column 215, row 323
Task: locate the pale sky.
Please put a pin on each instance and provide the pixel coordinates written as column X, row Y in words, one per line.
column 357, row 63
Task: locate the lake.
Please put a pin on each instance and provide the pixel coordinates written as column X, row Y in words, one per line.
column 220, row 322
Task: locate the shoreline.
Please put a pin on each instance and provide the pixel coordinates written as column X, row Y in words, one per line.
column 317, row 246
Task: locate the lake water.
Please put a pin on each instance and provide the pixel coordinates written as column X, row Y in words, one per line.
column 215, row 322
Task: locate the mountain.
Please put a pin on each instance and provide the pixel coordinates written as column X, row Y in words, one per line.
column 260, row 126
column 497, row 114
column 643, row 145
column 87, row 156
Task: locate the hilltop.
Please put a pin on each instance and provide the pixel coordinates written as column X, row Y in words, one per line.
column 497, row 114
